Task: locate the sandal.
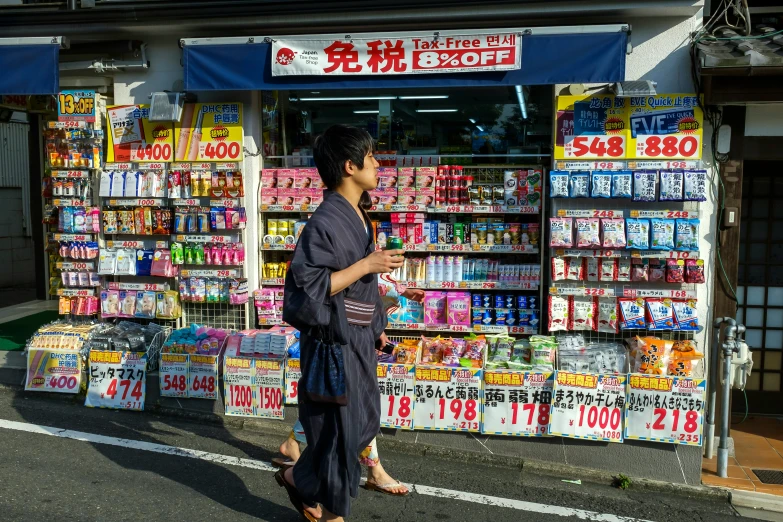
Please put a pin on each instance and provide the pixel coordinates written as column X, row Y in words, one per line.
column 283, row 463
column 386, row 488
column 293, row 496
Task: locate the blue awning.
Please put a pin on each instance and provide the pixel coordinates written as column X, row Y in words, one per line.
column 29, row 68
column 546, row 60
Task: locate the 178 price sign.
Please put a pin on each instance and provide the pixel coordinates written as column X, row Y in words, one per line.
column 665, row 409
column 588, row 406
column 516, row 403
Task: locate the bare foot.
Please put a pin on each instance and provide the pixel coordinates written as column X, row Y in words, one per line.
column 290, row 448
column 313, row 510
column 377, row 475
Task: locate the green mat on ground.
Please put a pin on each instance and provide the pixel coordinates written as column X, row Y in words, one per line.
column 14, row 334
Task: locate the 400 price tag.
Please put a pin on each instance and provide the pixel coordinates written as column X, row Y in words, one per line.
column 397, row 385
column 588, row 406
column 516, row 403
column 448, row 399
column 58, row 371
column 665, row 409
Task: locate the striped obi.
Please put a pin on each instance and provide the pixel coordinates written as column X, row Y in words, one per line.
column 359, row 313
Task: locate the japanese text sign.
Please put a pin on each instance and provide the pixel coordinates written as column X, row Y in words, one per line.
column 76, row 106
column 57, row 371
column 133, row 137
column 397, row 55
column 293, row 372
column 588, row 406
column 202, row 376
column 516, row 403
column 173, row 374
column 396, row 383
column 270, row 383
column 238, row 377
column 448, row 398
column 118, row 380
column 665, row 409
column 591, row 127
column 667, row 126
column 210, row 132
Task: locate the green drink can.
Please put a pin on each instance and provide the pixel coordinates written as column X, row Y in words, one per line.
column 394, row 243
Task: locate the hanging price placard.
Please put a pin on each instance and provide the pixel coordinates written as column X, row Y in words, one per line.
column 448, row 398
column 238, row 376
column 118, row 380
column 58, row 371
column 516, row 403
column 666, row 126
column 203, row 377
column 588, row 406
column 173, row 375
column 293, row 373
column 396, row 382
column 592, row 128
column 665, row 409
column 270, row 385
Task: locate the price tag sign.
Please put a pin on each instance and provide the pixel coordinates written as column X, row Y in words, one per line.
column 270, row 383
column 203, row 377
column 672, row 294
column 58, row 371
column 75, row 292
column 72, row 237
column 118, row 380
column 588, row 406
column 76, row 106
column 212, row 132
column 173, row 375
column 68, row 265
column 665, row 409
column 293, row 372
column 516, row 403
column 448, row 399
column 397, row 385
column 238, row 377
column 666, row 127
column 666, row 214
column 134, row 138
column 71, row 174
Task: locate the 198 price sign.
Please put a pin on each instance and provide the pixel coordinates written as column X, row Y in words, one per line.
column 448, row 399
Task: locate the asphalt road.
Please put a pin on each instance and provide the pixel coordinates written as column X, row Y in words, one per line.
column 46, row 477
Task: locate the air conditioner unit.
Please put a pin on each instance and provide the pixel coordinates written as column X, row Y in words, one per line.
column 167, row 106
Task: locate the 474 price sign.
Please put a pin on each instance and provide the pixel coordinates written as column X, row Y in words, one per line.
column 665, row 409
column 588, row 406
column 118, row 380
column 448, row 399
column 516, row 403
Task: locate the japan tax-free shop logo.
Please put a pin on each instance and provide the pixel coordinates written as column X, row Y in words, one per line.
column 285, row 56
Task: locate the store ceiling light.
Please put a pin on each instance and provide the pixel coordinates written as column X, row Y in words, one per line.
column 480, row 128
column 349, row 98
column 425, row 97
column 437, row 110
column 521, row 99
column 471, row 120
column 366, row 112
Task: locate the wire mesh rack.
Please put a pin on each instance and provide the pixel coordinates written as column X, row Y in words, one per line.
column 216, row 315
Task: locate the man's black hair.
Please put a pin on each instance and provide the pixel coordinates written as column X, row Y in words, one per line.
column 338, row 144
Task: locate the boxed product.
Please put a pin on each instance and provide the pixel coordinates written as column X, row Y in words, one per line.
column 406, row 196
column 287, row 196
column 425, row 196
column 425, row 177
column 286, row 178
column 269, row 178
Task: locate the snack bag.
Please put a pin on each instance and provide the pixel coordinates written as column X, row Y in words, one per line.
column 575, row 269
column 621, row 184
column 473, row 356
column 671, row 185
column 432, row 350
column 687, row 238
column 632, row 313
column 614, row 233
column 694, row 271
column 588, row 233
column 608, row 269
column 561, row 232
column 559, row 267
column 500, row 350
column 638, row 232
column 405, row 352
column 608, row 314
column 685, row 315
column 662, row 234
column 675, row 271
column 521, row 356
column 660, row 314
column 452, row 350
column 559, row 308
column 624, row 269
column 591, row 269
column 652, row 356
column 558, row 184
column 695, row 185
column 657, row 270
column 580, row 185
column 602, row 184
column 584, row 314
column 684, row 359
column 544, row 350
column 644, row 185
column 640, row 269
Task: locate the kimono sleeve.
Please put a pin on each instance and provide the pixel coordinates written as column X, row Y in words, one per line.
column 308, row 282
column 379, row 320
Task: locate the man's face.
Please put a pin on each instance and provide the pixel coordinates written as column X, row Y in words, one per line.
column 366, row 177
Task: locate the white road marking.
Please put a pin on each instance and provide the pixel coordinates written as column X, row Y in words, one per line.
column 486, row 500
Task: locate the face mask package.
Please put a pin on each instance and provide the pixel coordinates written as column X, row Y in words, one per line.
column 107, row 263
column 608, row 314
column 110, row 303
column 580, row 185
column 561, row 232
column 687, row 238
column 638, row 233
column 559, row 307
column 583, row 314
column 695, row 185
column 146, row 305
column 588, row 233
column 671, row 185
column 127, row 304
column 558, row 184
column 613, row 232
column 602, row 184
column 126, row 262
column 621, row 184
column 662, row 232
column 644, row 185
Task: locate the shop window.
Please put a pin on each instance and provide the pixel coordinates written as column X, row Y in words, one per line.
column 753, row 337
column 775, row 295
column 754, row 317
column 740, row 295
column 753, row 382
column 760, row 208
column 758, row 252
column 771, row 382
column 740, row 315
column 772, row 360
column 758, row 231
column 755, row 295
column 774, row 319
column 774, row 341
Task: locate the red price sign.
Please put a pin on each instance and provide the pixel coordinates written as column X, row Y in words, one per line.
column 671, row 146
column 488, row 286
column 504, row 414
column 178, row 383
column 270, row 402
column 595, row 147
column 588, row 406
column 409, row 247
column 203, row 377
column 151, row 152
column 678, row 214
column 604, row 213
column 448, row 284
column 595, row 291
column 204, row 383
column 397, row 385
column 240, row 397
column 293, row 373
column 606, row 165
column 220, row 150
column 447, row 398
column 238, row 378
column 676, row 165
column 173, row 375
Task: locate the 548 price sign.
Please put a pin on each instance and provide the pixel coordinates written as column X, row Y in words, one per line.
column 595, row 147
